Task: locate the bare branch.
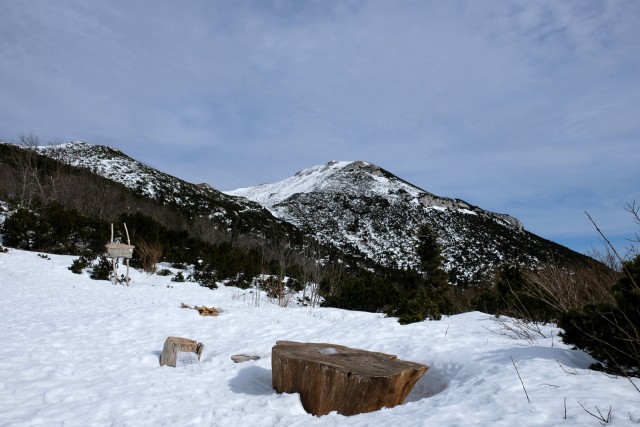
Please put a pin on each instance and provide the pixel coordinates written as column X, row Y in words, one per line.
column 614, row 250
column 521, row 382
column 601, row 418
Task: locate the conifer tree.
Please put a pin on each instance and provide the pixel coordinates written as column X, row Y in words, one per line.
column 430, row 253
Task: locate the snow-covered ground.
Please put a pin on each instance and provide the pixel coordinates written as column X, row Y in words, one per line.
column 79, row 352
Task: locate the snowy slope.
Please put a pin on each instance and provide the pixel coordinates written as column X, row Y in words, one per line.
column 113, row 164
column 361, row 209
column 367, row 211
column 337, row 177
column 79, row 352
column 193, row 200
column 305, row 181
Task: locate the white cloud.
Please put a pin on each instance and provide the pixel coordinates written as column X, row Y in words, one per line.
column 490, row 101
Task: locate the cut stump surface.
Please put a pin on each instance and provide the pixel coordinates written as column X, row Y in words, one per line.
column 350, row 381
column 173, row 345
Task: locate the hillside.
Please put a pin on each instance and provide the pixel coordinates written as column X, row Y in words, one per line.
column 199, row 206
column 80, row 352
column 363, row 211
column 369, row 212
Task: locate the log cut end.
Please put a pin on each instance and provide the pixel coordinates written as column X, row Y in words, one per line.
column 350, row 381
column 173, row 345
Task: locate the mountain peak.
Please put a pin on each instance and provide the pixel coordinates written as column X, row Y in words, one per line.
column 358, row 207
column 330, row 166
column 367, row 211
column 356, row 178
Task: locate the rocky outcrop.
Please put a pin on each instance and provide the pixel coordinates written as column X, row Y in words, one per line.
column 369, row 213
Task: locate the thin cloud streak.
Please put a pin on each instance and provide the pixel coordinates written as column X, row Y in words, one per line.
column 528, row 108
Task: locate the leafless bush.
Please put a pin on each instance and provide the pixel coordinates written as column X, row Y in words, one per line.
column 634, row 209
column 27, row 178
column 278, row 292
column 610, row 331
column 518, row 329
column 284, row 254
column 150, row 254
column 312, row 271
column 564, row 289
column 602, row 419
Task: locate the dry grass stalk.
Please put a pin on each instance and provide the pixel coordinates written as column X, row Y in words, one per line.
column 150, row 254
column 563, row 289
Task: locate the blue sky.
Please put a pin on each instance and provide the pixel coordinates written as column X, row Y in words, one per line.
column 530, row 108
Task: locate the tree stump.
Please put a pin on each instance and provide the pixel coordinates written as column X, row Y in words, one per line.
column 350, row 381
column 173, row 345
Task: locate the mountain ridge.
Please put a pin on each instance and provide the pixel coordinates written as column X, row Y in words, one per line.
column 313, row 179
column 359, row 208
column 367, row 211
column 230, row 214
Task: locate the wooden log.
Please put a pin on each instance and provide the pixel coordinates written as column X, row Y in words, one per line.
column 350, row 381
column 173, row 345
column 204, row 311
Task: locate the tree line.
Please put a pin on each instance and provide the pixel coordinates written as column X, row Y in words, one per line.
column 61, row 209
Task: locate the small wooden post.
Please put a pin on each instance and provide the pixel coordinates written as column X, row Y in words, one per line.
column 127, row 259
column 114, row 263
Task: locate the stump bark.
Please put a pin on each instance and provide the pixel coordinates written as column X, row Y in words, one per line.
column 350, row 381
column 173, row 345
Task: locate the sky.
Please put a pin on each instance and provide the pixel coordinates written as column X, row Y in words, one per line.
column 530, row 108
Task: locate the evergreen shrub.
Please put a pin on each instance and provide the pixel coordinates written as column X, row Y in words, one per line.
column 179, row 277
column 102, row 269
column 79, row 264
column 610, row 332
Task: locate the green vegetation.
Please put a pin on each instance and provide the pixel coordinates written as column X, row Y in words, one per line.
column 102, row 269
column 54, row 229
column 59, row 209
column 610, row 332
column 409, row 295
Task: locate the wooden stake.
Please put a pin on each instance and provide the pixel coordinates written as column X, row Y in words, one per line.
column 127, row 260
column 127, row 279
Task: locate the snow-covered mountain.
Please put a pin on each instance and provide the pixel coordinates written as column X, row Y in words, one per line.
column 357, row 207
column 193, row 200
column 367, row 211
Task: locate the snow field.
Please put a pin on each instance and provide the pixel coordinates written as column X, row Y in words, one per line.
column 80, row 352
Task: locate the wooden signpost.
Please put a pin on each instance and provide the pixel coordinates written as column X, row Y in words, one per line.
column 119, row 250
